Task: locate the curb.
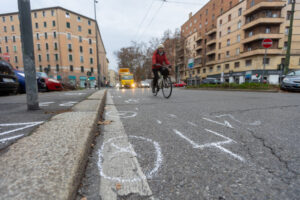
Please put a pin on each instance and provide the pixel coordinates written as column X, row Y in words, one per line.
column 235, row 90
column 50, row 163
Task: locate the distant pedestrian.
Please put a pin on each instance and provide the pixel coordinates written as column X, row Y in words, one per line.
column 85, row 85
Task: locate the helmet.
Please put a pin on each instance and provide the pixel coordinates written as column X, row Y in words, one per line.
column 160, row 46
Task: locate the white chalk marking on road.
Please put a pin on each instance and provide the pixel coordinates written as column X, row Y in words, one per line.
column 25, row 125
column 44, row 104
column 132, row 101
column 11, row 138
column 137, row 109
column 159, row 122
column 173, row 116
column 226, row 123
column 74, row 94
column 122, row 114
column 256, row 123
column 68, row 104
column 186, row 138
column 193, row 124
column 213, row 144
column 129, row 149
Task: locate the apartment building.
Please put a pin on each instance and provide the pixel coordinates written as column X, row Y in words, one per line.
column 112, row 78
column 230, row 48
column 64, row 45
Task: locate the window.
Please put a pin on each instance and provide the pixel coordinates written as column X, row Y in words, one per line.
column 219, row 68
column 45, row 24
column 236, row 64
column 79, row 28
column 56, row 57
column 0, row 50
column 52, row 12
column 227, row 53
column 54, row 34
column 39, row 47
column 228, row 30
column 11, row 18
column 68, row 25
column 238, row 51
column 80, row 39
column 91, row 60
column 228, row 42
column 67, row 15
column 240, row 11
column 90, row 41
column 285, row 45
column 92, row 69
column 287, row 30
column 268, row 30
column 6, row 39
column 220, row 34
column 40, row 58
column 13, row 28
column 46, row 35
column 36, row 25
column 81, row 59
column 266, row 61
column 35, row 15
column 48, row 57
column 7, row 49
column 16, row 59
column 44, row 13
column 47, row 46
column 37, row 36
column 70, row 47
column 71, row 68
column 248, row 63
column 78, row 19
column 70, row 58
column 91, row 51
column 5, row 29
column 229, row 18
column 15, row 49
column 238, row 38
column 239, row 25
column 250, row 34
column 41, row 68
column 14, row 38
column 69, row 36
column 211, row 69
column 252, row 3
column 82, row 69
column 89, row 22
column 219, row 56
column 81, row 49
column 90, row 31
column 204, row 70
column 53, row 23
column 57, row 68
column 55, row 46
column 3, row 19
column 227, row 66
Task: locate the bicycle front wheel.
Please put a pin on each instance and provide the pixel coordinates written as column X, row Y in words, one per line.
column 167, row 87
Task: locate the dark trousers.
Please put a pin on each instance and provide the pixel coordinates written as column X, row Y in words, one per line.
column 155, row 79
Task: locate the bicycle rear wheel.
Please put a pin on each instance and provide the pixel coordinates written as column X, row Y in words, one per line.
column 167, row 87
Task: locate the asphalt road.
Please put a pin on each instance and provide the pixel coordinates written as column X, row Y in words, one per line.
column 213, row 145
column 16, row 121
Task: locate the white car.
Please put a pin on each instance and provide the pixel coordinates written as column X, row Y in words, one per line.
column 145, row 84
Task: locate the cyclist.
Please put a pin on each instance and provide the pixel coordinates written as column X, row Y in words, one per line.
column 159, row 59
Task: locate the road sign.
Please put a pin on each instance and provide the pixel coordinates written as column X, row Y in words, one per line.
column 191, row 63
column 267, row 43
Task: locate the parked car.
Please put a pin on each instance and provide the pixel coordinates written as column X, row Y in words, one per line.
column 291, row 81
column 8, row 80
column 47, row 83
column 144, row 84
column 180, row 84
column 210, row 81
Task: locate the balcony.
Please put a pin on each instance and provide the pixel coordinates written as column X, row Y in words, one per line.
column 265, row 5
column 262, row 36
column 263, row 20
column 210, row 42
column 211, row 52
column 199, row 37
column 261, row 52
column 211, row 62
column 212, row 31
column 198, row 47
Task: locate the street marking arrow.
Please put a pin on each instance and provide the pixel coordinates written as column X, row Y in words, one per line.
column 226, row 123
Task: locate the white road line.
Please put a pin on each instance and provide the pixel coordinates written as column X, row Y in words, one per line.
column 229, row 152
column 159, row 122
column 193, row 124
column 136, row 108
column 68, row 104
column 11, row 138
column 173, row 116
column 256, row 123
column 186, row 138
column 226, row 123
column 27, row 125
column 44, row 104
column 218, row 134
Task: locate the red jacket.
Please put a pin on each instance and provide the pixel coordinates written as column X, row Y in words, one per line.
column 159, row 59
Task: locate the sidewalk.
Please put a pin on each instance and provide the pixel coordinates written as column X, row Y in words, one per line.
column 49, row 163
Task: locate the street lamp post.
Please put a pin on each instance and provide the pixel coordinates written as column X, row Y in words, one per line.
column 97, row 48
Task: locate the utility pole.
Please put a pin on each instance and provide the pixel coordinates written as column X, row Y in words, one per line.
column 28, row 54
column 288, row 52
column 97, row 48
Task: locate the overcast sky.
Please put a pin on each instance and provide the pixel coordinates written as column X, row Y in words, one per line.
column 121, row 20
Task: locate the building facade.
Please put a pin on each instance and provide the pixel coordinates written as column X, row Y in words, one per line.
column 64, row 45
column 112, row 78
column 228, row 45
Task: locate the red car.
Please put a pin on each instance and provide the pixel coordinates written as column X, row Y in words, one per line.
column 48, row 84
column 181, row 84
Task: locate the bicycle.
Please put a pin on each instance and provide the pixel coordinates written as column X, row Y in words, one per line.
column 164, row 83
